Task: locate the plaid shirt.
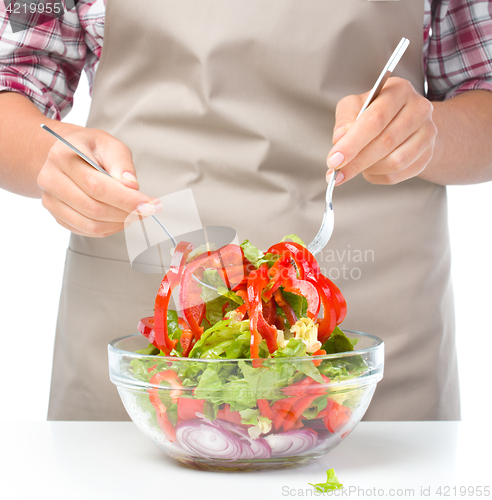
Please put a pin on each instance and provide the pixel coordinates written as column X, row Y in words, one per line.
column 45, row 63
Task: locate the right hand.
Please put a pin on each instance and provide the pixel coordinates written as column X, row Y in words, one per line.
column 86, row 201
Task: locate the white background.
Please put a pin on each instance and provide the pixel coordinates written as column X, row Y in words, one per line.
column 32, row 254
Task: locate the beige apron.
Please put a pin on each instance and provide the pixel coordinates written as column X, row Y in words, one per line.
column 235, row 99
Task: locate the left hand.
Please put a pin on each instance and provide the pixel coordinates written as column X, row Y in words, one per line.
column 393, row 140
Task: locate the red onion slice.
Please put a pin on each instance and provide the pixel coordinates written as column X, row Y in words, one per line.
column 220, row 439
column 292, row 443
column 259, row 447
column 208, row 441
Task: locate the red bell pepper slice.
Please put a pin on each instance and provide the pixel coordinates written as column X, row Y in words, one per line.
column 284, row 274
column 241, row 312
column 264, row 408
column 257, row 281
column 186, row 339
column 328, row 322
column 303, row 258
column 319, row 352
column 270, row 311
column 298, row 424
column 280, row 323
column 334, row 303
column 280, row 410
column 171, row 377
column 190, row 298
column 298, row 388
column 287, row 412
column 228, row 262
column 233, row 265
column 286, row 308
column 339, row 302
column 168, row 284
column 166, row 425
column 189, row 407
column 225, row 413
column 146, row 328
column 295, row 413
column 306, row 386
column 334, row 416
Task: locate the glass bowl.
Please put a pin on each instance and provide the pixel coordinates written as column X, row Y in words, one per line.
column 243, row 414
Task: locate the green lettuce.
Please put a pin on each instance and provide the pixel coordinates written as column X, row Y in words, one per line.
column 297, row 302
column 219, row 301
column 332, row 483
column 316, row 406
column 256, row 256
column 338, row 342
column 296, row 348
column 225, row 336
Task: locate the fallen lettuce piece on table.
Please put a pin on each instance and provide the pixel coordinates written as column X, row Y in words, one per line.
column 332, row 483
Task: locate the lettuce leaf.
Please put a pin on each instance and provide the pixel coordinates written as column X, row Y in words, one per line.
column 253, row 254
column 332, row 483
column 316, row 406
column 341, row 368
column 256, row 256
column 297, row 302
column 338, row 342
column 216, row 340
column 215, row 300
column 297, row 348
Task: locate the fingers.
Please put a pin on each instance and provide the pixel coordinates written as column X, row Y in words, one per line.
column 85, row 200
column 389, row 177
column 369, row 126
column 390, row 137
column 77, row 231
column 66, row 191
column 345, row 115
column 116, row 158
column 94, row 184
column 398, row 146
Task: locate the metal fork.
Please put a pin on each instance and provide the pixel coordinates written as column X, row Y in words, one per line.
column 100, row 169
column 328, row 223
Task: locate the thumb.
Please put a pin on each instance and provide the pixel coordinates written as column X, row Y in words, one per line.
column 116, row 158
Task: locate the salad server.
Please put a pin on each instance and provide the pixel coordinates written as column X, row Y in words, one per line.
column 327, row 225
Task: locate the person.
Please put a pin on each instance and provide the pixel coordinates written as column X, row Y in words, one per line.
column 238, row 100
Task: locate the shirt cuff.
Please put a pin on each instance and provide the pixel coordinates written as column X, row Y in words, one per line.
column 476, row 84
column 34, row 91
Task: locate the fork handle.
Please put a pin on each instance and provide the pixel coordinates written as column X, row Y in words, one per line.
column 386, row 73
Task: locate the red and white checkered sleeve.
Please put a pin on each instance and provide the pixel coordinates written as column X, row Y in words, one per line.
column 459, row 56
column 44, row 63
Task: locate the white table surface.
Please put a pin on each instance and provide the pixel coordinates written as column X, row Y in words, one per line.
column 113, row 460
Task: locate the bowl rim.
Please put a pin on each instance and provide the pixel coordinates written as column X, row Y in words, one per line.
column 379, row 344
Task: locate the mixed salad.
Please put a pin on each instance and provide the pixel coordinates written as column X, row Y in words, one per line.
column 256, row 314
